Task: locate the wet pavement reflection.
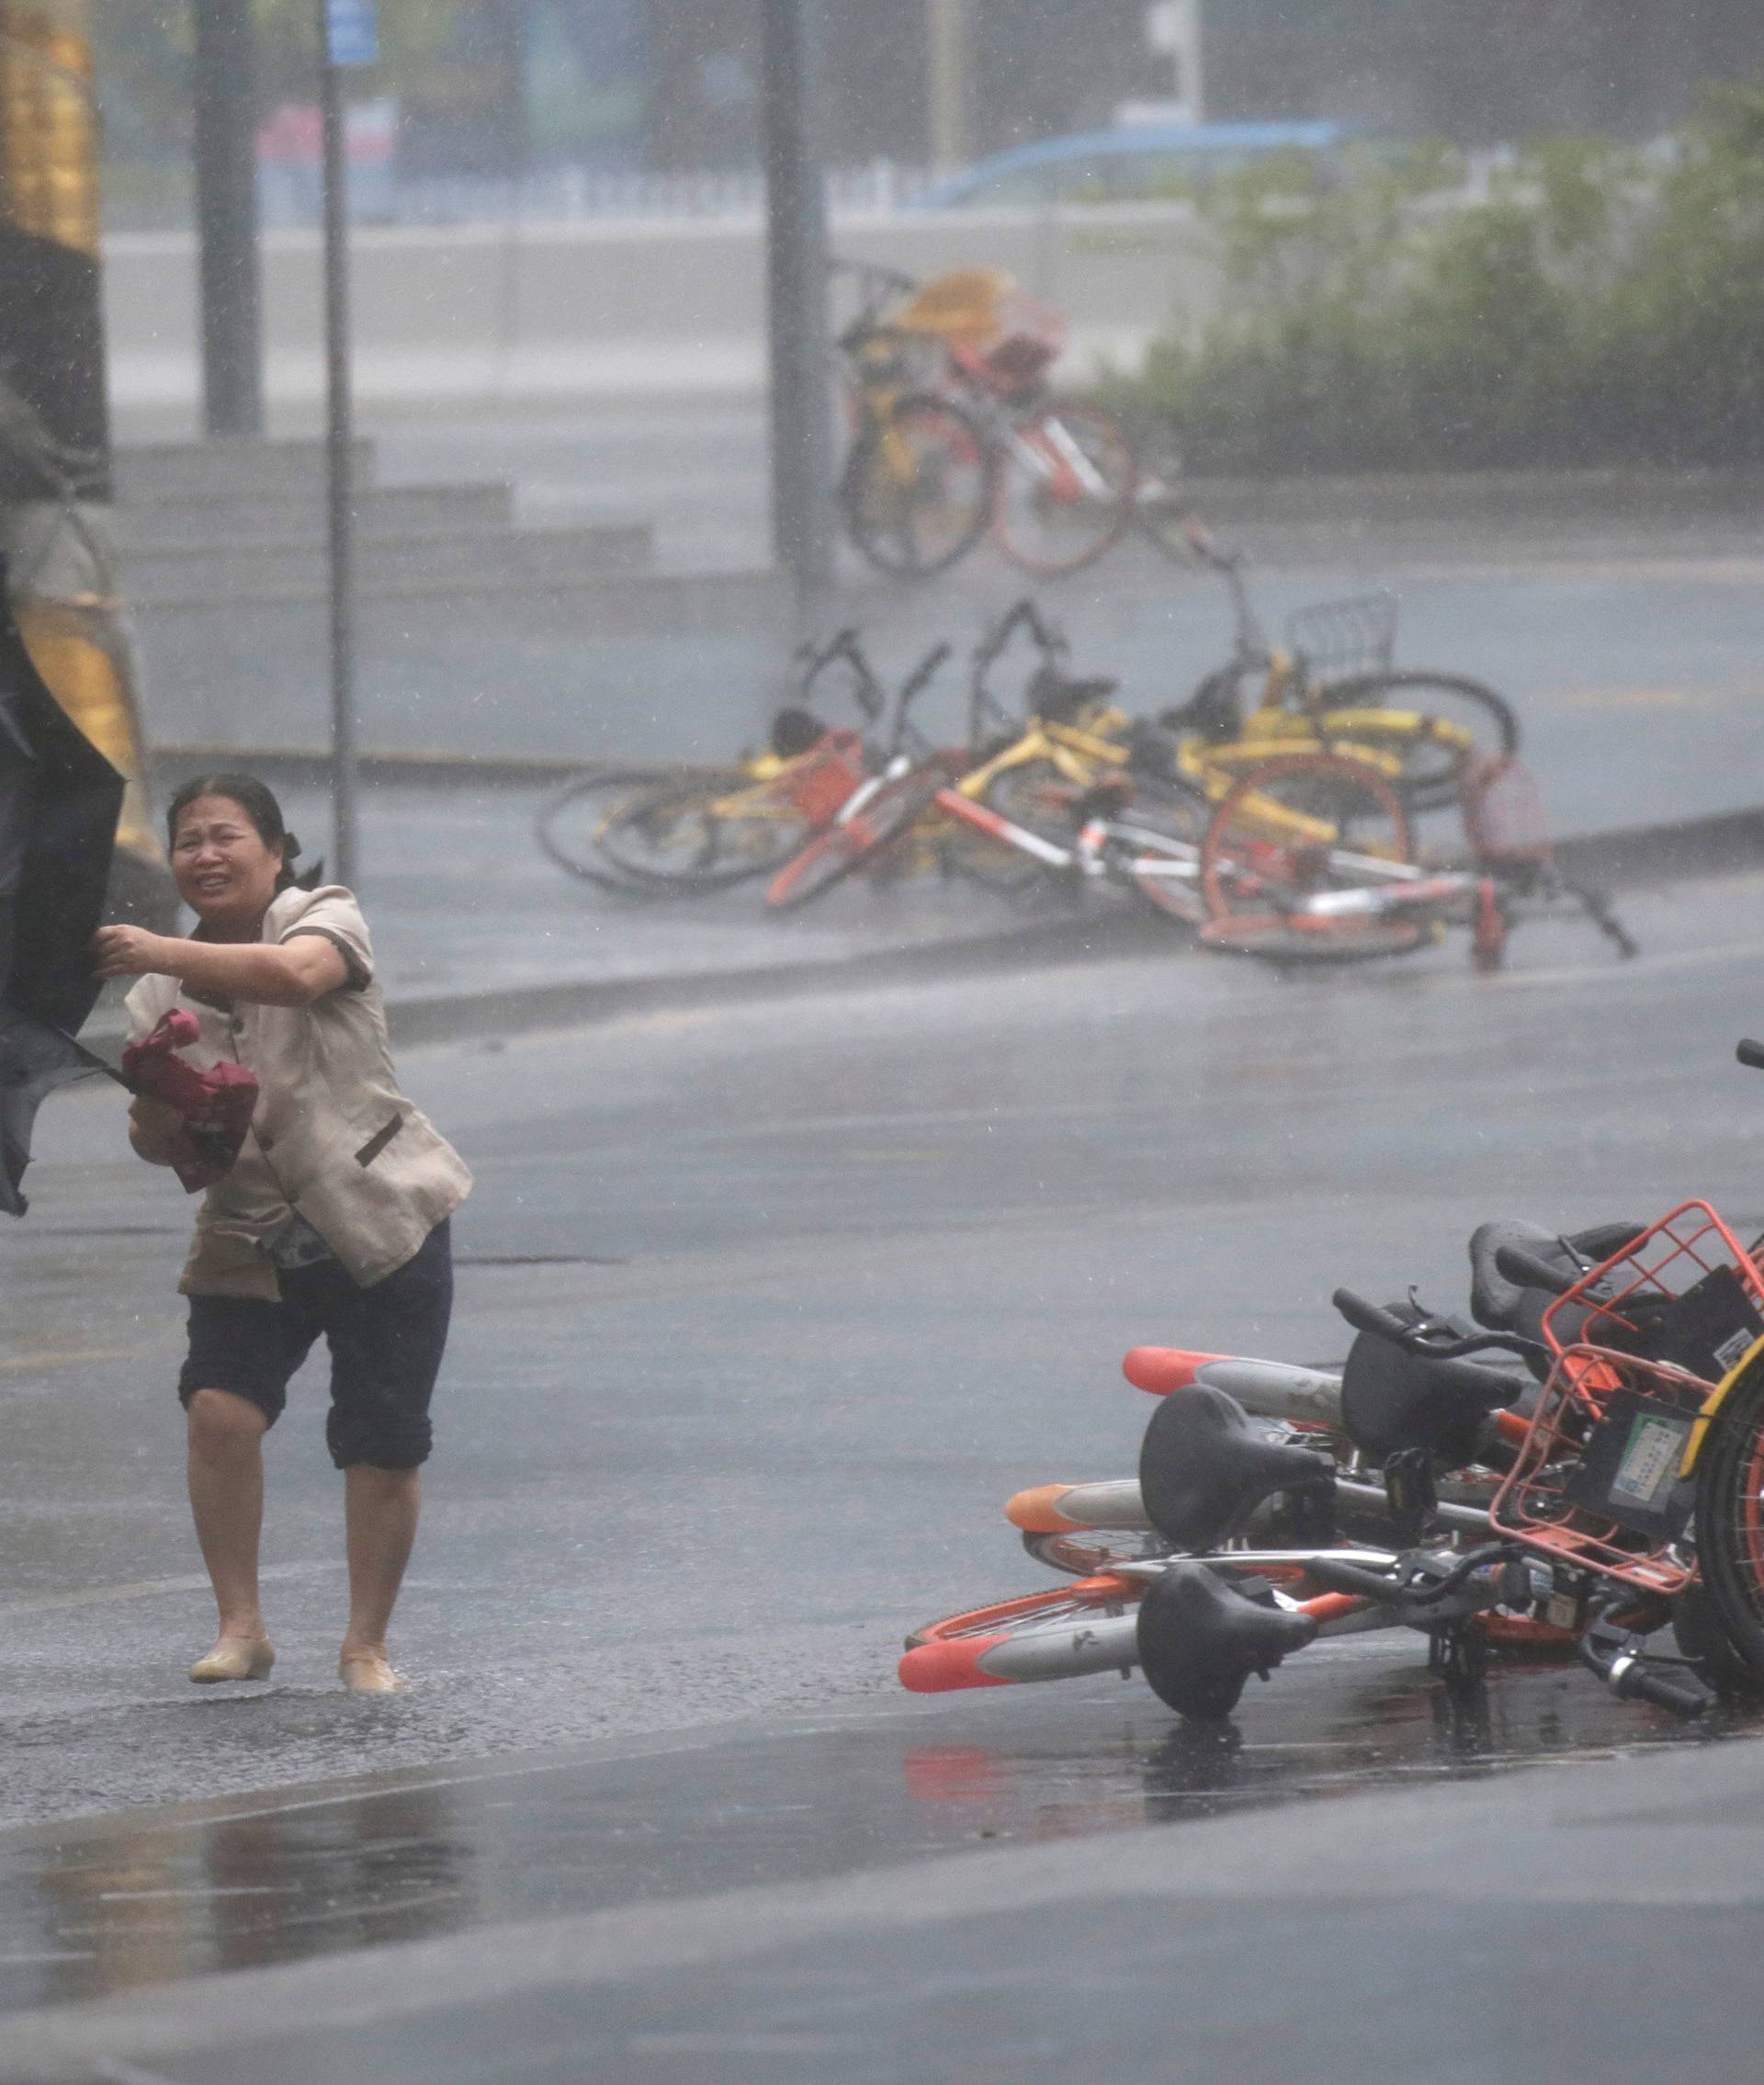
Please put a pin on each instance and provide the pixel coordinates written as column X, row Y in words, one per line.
column 88, row 1910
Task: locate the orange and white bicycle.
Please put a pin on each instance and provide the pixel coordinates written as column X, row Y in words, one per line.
column 1608, row 1487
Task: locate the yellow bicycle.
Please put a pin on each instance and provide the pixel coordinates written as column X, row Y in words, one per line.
column 1332, row 688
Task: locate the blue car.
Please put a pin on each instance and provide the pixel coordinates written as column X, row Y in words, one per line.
column 1123, row 165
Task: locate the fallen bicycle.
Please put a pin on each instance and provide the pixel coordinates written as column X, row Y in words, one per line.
column 1596, row 1484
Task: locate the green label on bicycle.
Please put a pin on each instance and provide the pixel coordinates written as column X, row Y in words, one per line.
column 1651, row 1457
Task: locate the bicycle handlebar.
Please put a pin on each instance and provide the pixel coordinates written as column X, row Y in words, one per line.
column 1683, row 1697
column 1342, row 1576
column 1021, row 615
column 1750, row 1053
column 846, row 644
column 873, row 271
column 1200, row 540
column 1632, row 1679
column 922, row 675
column 1423, row 1340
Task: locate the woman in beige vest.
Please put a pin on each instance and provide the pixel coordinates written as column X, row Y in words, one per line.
column 334, row 1219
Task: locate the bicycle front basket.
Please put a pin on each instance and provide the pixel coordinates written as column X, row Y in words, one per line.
column 1339, row 641
column 1504, row 819
column 1685, row 1292
column 1596, row 1483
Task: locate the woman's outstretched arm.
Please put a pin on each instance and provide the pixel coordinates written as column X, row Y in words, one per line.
column 290, row 973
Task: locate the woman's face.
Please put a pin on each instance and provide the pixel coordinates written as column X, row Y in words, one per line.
column 224, row 872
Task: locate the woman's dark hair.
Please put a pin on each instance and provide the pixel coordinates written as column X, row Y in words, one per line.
column 258, row 805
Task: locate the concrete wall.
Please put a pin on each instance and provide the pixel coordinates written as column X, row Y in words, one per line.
column 481, row 315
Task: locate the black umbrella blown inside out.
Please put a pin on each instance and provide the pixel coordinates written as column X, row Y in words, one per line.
column 59, row 799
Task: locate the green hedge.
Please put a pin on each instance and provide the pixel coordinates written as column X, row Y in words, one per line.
column 1596, row 308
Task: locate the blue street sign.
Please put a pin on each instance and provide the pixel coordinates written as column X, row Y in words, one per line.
column 353, row 31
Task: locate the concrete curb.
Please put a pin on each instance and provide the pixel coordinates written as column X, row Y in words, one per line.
column 1724, row 843
column 1720, row 845
column 590, row 1002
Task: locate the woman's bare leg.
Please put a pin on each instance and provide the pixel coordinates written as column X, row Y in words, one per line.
column 380, row 1509
column 226, row 1479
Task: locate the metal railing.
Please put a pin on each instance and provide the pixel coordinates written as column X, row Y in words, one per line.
column 565, row 195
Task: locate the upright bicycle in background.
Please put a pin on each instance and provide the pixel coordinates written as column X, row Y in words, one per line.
column 954, row 430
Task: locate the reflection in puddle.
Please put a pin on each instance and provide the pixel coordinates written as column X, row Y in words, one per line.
column 150, row 1907
column 1342, row 1733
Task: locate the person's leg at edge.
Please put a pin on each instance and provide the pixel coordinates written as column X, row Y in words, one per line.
column 380, row 1509
column 226, row 1483
column 387, row 1344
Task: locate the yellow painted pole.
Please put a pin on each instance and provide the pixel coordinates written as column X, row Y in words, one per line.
column 55, row 484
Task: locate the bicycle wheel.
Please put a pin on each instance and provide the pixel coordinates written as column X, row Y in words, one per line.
column 1155, row 848
column 568, row 825
column 701, row 836
column 1066, row 487
column 1037, row 797
column 1436, row 724
column 1730, row 1514
column 1293, row 858
column 918, row 487
column 832, row 855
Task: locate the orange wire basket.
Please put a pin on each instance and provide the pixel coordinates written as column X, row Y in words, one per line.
column 1504, row 819
column 1597, row 1481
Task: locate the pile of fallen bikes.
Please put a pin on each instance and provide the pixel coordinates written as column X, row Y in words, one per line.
column 1306, row 800
column 1572, row 1468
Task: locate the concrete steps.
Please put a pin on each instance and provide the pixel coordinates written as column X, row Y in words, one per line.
column 381, row 511
column 474, row 635
column 549, row 558
column 147, row 474
column 203, row 524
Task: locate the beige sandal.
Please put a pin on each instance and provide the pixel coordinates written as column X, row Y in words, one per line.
column 235, row 1658
column 367, row 1672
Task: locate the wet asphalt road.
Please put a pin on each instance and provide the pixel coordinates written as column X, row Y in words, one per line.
column 763, row 1314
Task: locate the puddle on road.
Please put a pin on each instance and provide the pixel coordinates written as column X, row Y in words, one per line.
column 105, row 1907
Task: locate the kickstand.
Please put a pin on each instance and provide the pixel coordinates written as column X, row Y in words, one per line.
column 1457, row 1653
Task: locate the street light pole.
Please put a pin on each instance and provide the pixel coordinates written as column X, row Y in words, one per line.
column 948, row 29
column 339, row 453
column 797, row 269
column 226, row 209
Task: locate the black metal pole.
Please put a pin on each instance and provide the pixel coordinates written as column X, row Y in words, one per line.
column 339, row 459
column 802, row 447
column 226, row 212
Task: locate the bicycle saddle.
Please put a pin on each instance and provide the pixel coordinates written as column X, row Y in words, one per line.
column 1200, row 1638
column 794, row 731
column 1205, row 1467
column 1150, row 750
column 1056, row 700
column 1392, row 1400
column 1213, row 711
column 1498, row 1303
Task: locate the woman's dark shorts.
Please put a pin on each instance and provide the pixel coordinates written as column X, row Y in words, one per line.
column 386, row 1346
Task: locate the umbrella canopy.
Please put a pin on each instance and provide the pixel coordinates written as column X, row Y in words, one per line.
column 59, row 803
